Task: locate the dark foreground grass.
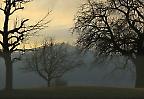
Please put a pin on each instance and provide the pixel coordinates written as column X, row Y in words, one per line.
column 74, row 93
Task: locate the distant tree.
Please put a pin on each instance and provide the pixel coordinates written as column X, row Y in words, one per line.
column 113, row 27
column 12, row 37
column 52, row 60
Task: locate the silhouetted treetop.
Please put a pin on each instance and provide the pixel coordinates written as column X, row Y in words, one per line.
column 113, row 27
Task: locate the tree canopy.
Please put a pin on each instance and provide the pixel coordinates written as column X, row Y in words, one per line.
column 52, row 60
column 113, row 27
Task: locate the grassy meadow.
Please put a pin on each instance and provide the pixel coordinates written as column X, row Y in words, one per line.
column 74, row 93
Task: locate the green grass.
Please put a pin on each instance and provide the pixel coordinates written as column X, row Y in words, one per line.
column 74, row 93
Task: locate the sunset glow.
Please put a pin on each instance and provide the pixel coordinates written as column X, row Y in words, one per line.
column 61, row 16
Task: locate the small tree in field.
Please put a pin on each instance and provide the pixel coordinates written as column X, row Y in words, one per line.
column 114, row 27
column 52, row 60
column 12, row 37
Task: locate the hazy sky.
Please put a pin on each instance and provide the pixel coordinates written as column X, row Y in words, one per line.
column 61, row 17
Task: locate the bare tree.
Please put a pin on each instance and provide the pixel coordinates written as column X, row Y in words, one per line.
column 52, row 60
column 113, row 27
column 11, row 38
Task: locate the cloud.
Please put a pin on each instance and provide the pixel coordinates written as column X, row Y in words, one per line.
column 44, row 4
column 62, row 16
column 64, row 12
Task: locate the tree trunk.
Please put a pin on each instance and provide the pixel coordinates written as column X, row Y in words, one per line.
column 139, row 65
column 9, row 72
column 49, row 83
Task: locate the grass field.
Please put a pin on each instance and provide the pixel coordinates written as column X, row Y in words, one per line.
column 74, row 93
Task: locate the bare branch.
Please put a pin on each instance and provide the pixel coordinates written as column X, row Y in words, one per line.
column 2, row 9
column 1, row 43
column 1, row 32
column 20, row 27
column 16, row 9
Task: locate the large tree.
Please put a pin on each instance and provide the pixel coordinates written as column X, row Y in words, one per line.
column 114, row 27
column 12, row 37
column 52, row 60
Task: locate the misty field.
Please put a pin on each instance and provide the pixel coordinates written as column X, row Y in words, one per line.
column 74, row 93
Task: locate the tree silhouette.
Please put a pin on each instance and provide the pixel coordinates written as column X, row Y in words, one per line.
column 113, row 27
column 11, row 38
column 52, row 60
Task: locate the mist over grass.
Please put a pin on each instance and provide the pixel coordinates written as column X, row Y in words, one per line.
column 91, row 74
